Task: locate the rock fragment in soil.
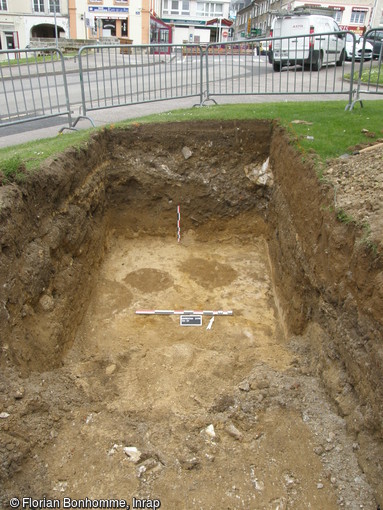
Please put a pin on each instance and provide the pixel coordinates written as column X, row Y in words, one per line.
column 133, row 454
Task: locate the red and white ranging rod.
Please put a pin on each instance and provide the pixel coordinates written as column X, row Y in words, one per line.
column 178, row 223
column 184, row 312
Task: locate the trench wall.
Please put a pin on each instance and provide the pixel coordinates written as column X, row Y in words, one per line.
column 52, row 238
column 329, row 285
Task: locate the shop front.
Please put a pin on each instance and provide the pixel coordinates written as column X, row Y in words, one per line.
column 219, row 29
column 107, row 21
column 160, row 33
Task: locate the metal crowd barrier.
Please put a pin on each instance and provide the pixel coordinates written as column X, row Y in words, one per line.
column 33, row 82
column 33, row 85
column 120, row 75
column 281, row 65
column 370, row 75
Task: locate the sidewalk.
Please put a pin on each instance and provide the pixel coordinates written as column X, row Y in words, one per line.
column 14, row 135
column 29, row 131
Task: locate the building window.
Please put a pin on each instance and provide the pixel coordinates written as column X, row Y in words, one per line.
column 3, row 5
column 10, row 40
column 38, row 5
column 358, row 17
column 185, row 7
column 54, row 4
column 338, row 16
column 218, row 9
column 209, row 9
column 174, row 9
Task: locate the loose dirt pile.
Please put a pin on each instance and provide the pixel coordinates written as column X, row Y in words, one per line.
column 274, row 407
column 358, row 185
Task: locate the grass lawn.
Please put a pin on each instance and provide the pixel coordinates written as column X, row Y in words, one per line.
column 32, row 59
column 373, row 75
column 331, row 132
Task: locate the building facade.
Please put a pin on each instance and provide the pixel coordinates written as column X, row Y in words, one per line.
column 353, row 15
column 96, row 19
column 190, row 21
column 75, row 19
column 21, row 20
column 195, row 21
column 140, row 21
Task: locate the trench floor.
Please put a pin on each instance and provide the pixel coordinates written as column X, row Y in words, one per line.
column 220, row 418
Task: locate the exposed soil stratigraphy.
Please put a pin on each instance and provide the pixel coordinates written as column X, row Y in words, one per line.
column 277, row 406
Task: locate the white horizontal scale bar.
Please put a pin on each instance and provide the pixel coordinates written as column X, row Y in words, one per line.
column 184, row 312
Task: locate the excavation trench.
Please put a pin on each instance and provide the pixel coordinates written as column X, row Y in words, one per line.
column 276, row 406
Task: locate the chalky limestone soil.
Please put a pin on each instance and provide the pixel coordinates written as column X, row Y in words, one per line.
column 220, row 417
column 100, row 403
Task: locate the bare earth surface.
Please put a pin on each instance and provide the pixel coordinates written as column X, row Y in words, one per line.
column 224, row 417
column 230, row 417
column 358, row 188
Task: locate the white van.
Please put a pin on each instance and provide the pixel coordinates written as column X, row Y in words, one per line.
column 311, row 51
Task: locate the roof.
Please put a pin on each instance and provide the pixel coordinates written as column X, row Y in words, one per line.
column 223, row 22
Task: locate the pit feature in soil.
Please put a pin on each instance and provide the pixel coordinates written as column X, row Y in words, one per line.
column 98, row 402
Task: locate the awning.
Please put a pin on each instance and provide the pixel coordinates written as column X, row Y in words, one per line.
column 107, row 12
column 223, row 22
column 108, row 15
column 159, row 21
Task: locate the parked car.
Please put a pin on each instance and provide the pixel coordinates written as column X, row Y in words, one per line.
column 359, row 41
column 314, row 49
column 376, row 39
